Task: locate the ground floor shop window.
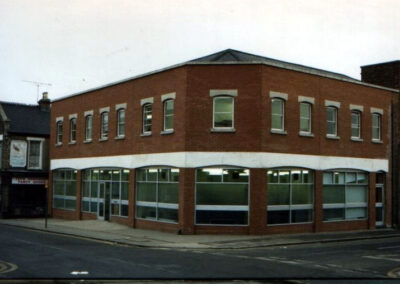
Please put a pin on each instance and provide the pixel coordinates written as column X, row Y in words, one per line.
column 64, row 189
column 105, row 191
column 290, row 196
column 222, row 196
column 157, row 194
column 345, row 195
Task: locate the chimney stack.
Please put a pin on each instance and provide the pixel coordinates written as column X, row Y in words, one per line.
column 44, row 102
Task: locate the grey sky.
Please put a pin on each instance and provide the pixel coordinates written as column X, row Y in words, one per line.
column 77, row 45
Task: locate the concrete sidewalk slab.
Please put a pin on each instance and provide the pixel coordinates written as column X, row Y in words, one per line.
column 120, row 234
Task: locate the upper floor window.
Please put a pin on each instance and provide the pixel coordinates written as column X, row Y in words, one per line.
column 121, row 122
column 35, row 153
column 104, row 125
column 305, row 118
column 376, row 126
column 168, row 115
column 355, row 124
column 147, row 118
column 277, row 114
column 72, row 130
column 223, row 112
column 331, row 121
column 59, row 132
column 88, row 127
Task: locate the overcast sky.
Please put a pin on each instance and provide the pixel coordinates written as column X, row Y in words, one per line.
column 76, row 45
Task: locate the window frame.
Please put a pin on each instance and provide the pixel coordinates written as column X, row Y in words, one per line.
column 224, row 128
column 165, row 115
column 379, row 117
column 65, row 180
column 309, row 118
column 121, row 125
column 145, row 111
column 358, row 126
column 281, row 115
column 88, row 130
column 72, row 130
column 40, row 140
column 59, row 130
column 104, row 125
column 335, row 109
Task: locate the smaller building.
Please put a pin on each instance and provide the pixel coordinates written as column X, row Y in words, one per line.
column 24, row 139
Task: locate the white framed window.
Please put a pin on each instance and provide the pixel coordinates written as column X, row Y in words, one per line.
column 305, row 118
column 169, row 115
column 331, row 121
column 88, row 127
column 376, row 127
column 59, row 135
column 72, row 130
column 147, row 118
column 355, row 124
column 104, row 125
column 277, row 114
column 223, row 112
column 121, row 123
column 35, row 153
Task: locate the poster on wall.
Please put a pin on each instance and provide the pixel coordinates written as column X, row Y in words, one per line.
column 18, row 154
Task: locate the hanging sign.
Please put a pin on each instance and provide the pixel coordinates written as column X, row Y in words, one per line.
column 18, row 154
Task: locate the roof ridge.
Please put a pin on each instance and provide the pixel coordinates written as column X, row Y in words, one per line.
column 18, row 104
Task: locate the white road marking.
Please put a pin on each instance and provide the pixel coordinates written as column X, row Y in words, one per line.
column 389, row 247
column 390, row 257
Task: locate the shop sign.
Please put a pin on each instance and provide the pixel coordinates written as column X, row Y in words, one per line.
column 18, row 153
column 16, row 180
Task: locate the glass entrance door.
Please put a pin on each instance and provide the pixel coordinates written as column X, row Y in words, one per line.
column 103, row 211
column 380, row 208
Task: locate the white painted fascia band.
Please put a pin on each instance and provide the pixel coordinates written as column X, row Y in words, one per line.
column 309, row 100
column 170, row 96
column 239, row 159
column 278, row 95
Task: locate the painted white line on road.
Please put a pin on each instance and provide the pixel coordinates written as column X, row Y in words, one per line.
column 390, row 257
column 389, row 247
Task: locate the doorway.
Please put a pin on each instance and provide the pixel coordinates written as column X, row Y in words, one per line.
column 103, row 208
column 379, row 205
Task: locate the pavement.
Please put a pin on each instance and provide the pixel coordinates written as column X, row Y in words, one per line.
column 123, row 235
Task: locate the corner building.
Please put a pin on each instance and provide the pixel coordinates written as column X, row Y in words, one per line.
column 227, row 143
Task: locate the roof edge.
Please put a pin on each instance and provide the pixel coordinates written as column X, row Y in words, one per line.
column 381, row 63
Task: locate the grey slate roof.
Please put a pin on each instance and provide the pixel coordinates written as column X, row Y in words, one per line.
column 27, row 119
column 235, row 56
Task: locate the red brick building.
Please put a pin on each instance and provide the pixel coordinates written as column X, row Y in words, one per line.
column 227, row 143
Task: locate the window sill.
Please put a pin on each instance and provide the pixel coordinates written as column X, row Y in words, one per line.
column 87, row 141
column 355, row 139
column 145, row 134
column 72, row 143
column 225, row 130
column 103, row 139
column 377, row 141
column 58, row 144
column 333, row 137
column 121, row 137
column 277, row 131
column 166, row 132
column 306, row 134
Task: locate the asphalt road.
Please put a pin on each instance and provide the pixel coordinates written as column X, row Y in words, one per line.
column 31, row 254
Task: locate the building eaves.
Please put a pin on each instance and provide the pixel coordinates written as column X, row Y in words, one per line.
column 382, row 63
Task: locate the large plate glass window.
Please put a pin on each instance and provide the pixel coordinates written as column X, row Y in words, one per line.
column 72, row 130
column 88, row 127
column 223, row 112
column 290, row 196
column 121, row 123
column 119, row 183
column 104, row 125
column 64, row 189
column 277, row 114
column 331, row 121
column 345, row 195
column 355, row 124
column 305, row 118
column 376, row 126
column 222, row 196
column 168, row 115
column 157, row 194
column 147, row 118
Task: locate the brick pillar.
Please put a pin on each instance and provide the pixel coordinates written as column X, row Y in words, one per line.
column 78, row 204
column 50, row 194
column 186, row 200
column 372, row 201
column 388, row 202
column 258, row 201
column 318, row 201
column 132, row 199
